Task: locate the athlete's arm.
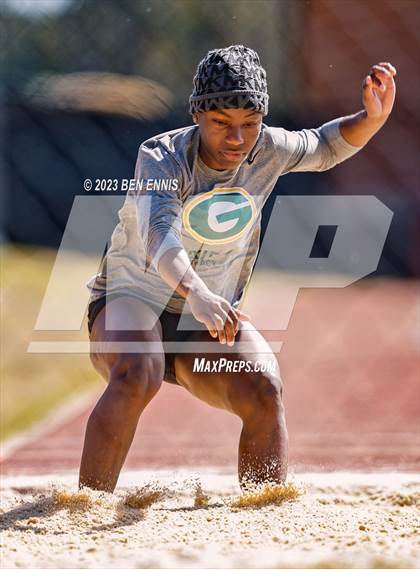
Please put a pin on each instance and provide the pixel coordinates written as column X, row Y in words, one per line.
column 220, row 318
column 318, row 149
column 159, row 220
column 378, row 98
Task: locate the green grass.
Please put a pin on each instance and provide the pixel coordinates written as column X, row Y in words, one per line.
column 33, row 384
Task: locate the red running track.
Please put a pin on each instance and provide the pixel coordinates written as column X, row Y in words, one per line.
column 350, row 368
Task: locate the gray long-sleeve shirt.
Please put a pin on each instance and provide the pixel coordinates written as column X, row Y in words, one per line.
column 214, row 215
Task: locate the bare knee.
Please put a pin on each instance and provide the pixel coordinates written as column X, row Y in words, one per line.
column 258, row 397
column 138, row 376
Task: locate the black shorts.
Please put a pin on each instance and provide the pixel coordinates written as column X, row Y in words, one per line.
column 169, row 322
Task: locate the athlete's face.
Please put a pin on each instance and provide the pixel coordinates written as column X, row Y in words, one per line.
column 227, row 136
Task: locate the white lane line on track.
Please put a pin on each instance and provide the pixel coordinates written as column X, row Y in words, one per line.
column 214, row 478
column 58, row 416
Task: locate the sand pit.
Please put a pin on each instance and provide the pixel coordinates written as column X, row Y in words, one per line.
column 184, row 520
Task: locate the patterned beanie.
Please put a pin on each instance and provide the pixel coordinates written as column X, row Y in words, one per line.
column 230, row 78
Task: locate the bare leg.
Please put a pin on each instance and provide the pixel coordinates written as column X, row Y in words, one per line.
column 254, row 397
column 263, row 449
column 133, row 381
column 109, row 434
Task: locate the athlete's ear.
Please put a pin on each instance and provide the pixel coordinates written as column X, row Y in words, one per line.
column 195, row 120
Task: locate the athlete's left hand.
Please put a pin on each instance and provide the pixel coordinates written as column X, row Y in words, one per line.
column 379, row 91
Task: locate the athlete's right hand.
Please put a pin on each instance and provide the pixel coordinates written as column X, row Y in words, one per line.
column 220, row 317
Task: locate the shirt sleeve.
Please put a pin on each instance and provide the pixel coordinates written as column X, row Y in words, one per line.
column 158, row 201
column 309, row 150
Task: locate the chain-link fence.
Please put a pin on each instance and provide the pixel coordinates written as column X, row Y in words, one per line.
column 84, row 82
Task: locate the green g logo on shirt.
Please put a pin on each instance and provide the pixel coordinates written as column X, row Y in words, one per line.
column 219, row 216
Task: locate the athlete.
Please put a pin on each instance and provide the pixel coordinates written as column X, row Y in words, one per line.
column 186, row 244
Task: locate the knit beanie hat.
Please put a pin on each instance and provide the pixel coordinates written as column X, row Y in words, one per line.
column 230, row 78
